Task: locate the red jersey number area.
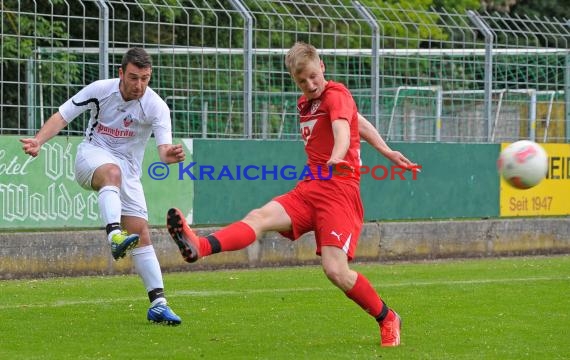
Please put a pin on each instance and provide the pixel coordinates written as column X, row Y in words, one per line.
column 333, row 209
column 316, row 117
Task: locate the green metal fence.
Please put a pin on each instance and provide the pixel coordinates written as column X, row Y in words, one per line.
column 417, row 74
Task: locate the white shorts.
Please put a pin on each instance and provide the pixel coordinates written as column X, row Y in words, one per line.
column 90, row 157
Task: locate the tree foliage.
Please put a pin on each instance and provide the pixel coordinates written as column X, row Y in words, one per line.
column 459, row 6
column 29, row 26
column 543, row 8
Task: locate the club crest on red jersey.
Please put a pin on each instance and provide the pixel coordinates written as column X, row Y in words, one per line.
column 315, row 105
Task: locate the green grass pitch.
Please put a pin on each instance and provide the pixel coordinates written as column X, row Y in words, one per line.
column 508, row 308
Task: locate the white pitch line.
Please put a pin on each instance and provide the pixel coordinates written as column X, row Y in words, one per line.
column 217, row 293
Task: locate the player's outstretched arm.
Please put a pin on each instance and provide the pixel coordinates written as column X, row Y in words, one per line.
column 369, row 133
column 50, row 129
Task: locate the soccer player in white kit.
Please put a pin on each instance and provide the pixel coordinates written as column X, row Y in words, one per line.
column 124, row 113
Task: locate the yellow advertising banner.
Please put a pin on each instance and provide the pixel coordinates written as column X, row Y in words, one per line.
column 550, row 197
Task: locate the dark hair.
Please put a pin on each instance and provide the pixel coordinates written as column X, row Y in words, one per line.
column 138, row 57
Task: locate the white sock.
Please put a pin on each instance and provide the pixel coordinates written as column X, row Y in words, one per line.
column 148, row 268
column 110, row 206
column 158, row 301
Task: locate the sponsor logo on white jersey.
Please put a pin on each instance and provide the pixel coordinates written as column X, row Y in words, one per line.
column 116, row 133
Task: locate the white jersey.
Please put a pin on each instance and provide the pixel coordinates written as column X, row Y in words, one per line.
column 118, row 126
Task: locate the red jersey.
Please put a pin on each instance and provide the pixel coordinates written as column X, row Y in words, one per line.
column 316, row 117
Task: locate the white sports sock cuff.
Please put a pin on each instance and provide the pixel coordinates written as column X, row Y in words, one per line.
column 109, row 200
column 157, row 301
column 142, row 250
column 109, row 188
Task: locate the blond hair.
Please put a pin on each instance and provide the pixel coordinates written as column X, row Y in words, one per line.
column 299, row 56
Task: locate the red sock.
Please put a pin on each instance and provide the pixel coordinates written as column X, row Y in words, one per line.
column 236, row 236
column 364, row 295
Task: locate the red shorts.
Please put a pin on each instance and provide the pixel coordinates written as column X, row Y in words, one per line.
column 332, row 209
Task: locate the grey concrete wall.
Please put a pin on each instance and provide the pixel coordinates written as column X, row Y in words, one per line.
column 73, row 253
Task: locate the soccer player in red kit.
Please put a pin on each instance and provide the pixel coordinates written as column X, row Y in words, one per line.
column 332, row 207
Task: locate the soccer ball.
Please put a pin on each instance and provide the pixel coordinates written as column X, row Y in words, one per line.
column 523, row 164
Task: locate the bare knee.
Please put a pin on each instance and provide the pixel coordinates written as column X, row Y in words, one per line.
column 340, row 277
column 112, row 174
column 333, row 274
column 254, row 216
column 270, row 217
column 335, row 266
column 107, row 174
